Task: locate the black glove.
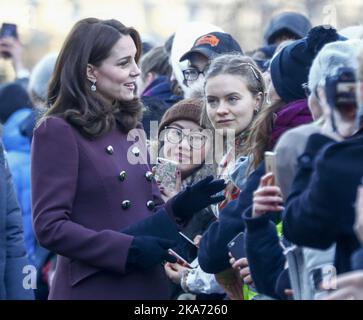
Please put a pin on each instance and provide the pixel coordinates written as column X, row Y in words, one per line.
column 159, row 224
column 197, row 197
column 145, row 252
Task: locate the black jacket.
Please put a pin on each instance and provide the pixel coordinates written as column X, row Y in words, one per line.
column 213, row 253
column 320, row 209
column 265, row 255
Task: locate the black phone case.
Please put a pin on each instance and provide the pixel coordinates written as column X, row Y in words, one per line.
column 8, row 30
column 237, row 246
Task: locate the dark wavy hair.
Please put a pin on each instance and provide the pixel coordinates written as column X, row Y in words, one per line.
column 69, row 94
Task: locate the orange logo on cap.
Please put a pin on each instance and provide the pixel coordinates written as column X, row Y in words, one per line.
column 210, row 39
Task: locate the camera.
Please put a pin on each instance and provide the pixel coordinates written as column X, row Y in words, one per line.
column 340, row 90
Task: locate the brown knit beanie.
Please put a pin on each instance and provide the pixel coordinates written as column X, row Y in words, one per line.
column 187, row 109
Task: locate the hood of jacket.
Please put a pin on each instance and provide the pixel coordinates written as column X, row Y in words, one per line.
column 12, row 138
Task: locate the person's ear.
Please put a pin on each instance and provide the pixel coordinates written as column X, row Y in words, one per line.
column 258, row 101
column 91, row 73
column 150, row 77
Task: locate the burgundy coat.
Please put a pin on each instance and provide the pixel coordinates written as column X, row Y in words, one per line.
column 77, row 196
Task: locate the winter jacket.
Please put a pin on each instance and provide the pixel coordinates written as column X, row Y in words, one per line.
column 264, row 252
column 14, row 265
column 214, row 256
column 17, row 147
column 213, row 252
column 319, row 210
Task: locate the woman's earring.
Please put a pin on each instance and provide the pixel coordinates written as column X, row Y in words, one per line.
column 93, row 86
column 255, row 111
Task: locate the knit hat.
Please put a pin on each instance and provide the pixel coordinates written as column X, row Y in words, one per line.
column 290, row 67
column 187, row 109
column 292, row 22
column 213, row 44
column 333, row 56
column 40, row 77
column 12, row 98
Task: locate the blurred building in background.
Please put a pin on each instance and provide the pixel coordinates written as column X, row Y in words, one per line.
column 43, row 24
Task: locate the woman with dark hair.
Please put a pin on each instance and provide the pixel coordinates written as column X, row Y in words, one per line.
column 89, row 181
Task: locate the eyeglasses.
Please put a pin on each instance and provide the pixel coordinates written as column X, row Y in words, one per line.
column 192, row 74
column 175, row 135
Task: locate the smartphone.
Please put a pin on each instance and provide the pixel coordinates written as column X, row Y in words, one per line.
column 270, row 165
column 237, row 246
column 189, row 245
column 186, row 252
column 180, row 260
column 323, row 280
column 9, row 30
column 165, row 173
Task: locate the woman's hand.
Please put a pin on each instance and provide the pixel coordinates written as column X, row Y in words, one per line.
column 349, row 286
column 266, row 198
column 197, row 239
column 14, row 49
column 358, row 225
column 166, row 193
column 197, row 197
column 242, row 268
column 174, row 271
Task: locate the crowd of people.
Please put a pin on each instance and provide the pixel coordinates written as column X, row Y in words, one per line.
column 192, row 170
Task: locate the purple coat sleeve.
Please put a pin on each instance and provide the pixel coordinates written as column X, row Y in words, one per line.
column 54, row 174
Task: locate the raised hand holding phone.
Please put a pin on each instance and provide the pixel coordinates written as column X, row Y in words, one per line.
column 267, row 197
column 270, row 166
column 8, row 40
